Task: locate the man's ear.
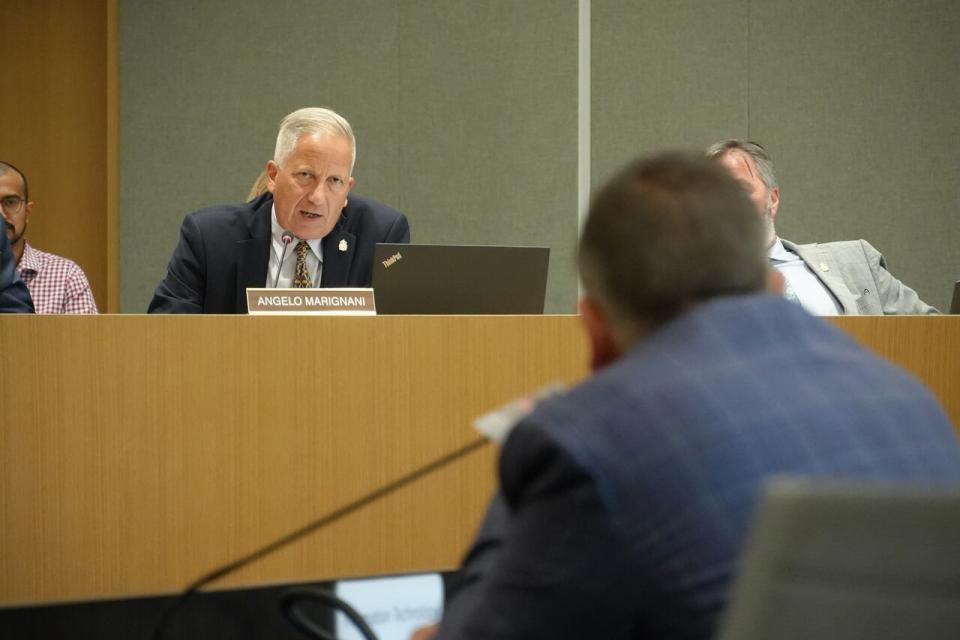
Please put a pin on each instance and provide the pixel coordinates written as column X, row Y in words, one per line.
column 775, row 282
column 774, row 201
column 272, row 169
column 603, row 346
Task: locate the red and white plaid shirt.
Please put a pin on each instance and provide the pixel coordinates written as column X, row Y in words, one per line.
column 57, row 285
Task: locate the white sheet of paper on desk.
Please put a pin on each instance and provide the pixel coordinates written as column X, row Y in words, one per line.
column 498, row 423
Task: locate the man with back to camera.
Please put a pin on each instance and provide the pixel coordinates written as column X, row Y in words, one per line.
column 56, row 284
column 625, row 501
column 225, row 249
column 832, row 278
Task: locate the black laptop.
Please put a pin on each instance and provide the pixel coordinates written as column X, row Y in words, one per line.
column 459, row 279
column 955, row 305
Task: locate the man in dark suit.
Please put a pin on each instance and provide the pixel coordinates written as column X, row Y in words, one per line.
column 625, row 501
column 14, row 296
column 225, row 249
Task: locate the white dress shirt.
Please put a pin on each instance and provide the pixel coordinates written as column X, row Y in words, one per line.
column 288, row 268
column 802, row 286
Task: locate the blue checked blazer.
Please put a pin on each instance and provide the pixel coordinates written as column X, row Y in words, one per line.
column 624, row 502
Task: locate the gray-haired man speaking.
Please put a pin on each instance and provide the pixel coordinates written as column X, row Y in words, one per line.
column 225, row 249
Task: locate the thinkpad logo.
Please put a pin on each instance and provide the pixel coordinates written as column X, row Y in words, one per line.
column 389, row 262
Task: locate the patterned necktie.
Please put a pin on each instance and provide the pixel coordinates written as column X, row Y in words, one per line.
column 301, row 279
column 788, row 291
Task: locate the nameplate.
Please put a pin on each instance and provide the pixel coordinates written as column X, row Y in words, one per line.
column 329, row 302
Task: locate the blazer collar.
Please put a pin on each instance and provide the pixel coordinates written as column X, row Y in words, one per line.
column 338, row 249
column 817, row 261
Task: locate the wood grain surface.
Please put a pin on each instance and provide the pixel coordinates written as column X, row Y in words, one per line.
column 139, row 452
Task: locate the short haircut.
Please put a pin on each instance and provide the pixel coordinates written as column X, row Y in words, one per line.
column 761, row 159
column 312, row 121
column 6, row 166
column 668, row 232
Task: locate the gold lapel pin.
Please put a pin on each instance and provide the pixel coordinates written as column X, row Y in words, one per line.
column 824, row 266
column 343, row 245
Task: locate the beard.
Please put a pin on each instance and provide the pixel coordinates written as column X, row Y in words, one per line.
column 12, row 234
column 767, row 217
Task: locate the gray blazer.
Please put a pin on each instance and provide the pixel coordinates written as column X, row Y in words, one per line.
column 855, row 273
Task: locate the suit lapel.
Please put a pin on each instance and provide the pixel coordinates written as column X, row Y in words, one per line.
column 338, row 249
column 816, row 261
column 253, row 254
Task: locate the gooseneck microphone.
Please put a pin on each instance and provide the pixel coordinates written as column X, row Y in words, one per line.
column 286, row 238
column 317, row 524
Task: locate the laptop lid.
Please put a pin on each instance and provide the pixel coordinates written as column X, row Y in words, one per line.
column 955, row 305
column 459, row 279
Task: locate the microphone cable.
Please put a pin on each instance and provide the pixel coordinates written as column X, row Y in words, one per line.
column 311, row 527
column 289, row 605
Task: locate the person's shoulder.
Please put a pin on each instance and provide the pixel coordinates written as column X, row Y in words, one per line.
column 845, row 245
column 834, row 246
column 581, row 420
column 63, row 267
column 44, row 259
column 684, row 362
column 226, row 216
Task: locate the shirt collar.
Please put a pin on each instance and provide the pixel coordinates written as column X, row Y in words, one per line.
column 779, row 253
column 276, row 233
column 31, row 260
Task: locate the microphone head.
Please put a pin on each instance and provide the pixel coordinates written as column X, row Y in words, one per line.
column 286, row 237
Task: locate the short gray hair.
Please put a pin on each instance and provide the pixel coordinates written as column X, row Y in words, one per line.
column 312, row 121
column 761, row 159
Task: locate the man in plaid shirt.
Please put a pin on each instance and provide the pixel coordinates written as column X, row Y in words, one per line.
column 56, row 284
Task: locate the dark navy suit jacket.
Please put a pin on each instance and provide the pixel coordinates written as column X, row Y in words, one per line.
column 14, row 295
column 624, row 502
column 225, row 249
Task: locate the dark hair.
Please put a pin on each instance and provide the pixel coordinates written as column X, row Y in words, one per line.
column 667, row 232
column 6, row 166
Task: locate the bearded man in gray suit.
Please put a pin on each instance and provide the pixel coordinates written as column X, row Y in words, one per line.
column 832, row 278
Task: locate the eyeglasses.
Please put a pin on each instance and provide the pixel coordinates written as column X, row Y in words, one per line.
column 11, row 204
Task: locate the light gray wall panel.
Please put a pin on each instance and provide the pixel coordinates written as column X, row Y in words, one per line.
column 857, row 102
column 666, row 74
column 465, row 115
column 203, row 87
column 855, row 99
column 488, row 126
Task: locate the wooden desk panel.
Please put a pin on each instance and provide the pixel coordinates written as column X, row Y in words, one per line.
column 138, row 452
column 928, row 347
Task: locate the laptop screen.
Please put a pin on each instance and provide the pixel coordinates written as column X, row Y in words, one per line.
column 459, row 279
